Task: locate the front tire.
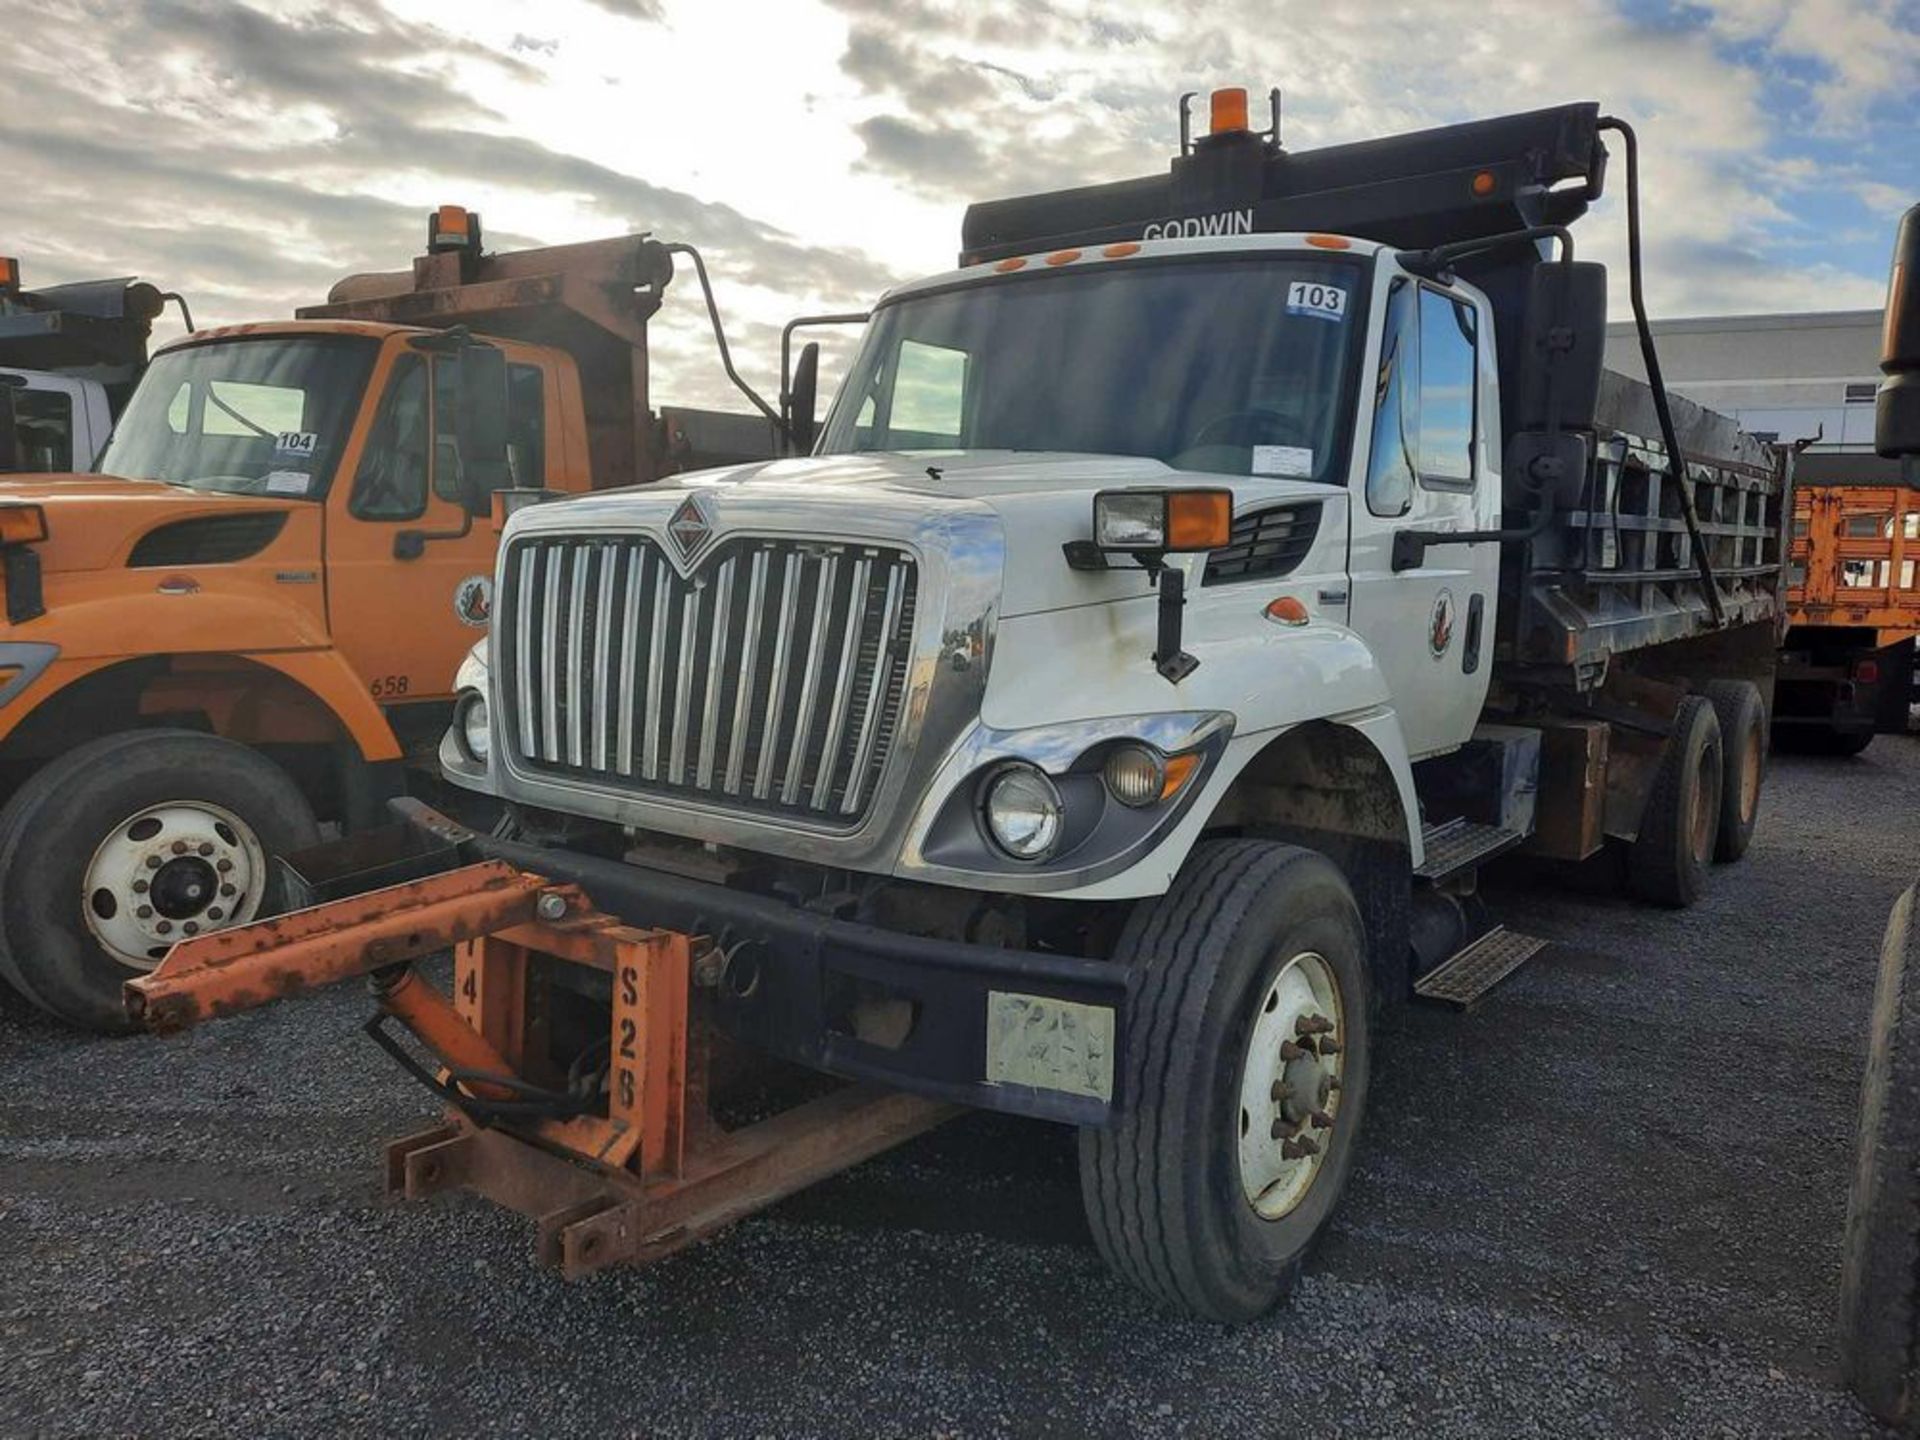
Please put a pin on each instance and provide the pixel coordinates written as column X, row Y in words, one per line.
column 124, row 845
column 1244, row 1078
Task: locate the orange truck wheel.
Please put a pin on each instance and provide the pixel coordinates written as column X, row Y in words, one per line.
column 125, row 845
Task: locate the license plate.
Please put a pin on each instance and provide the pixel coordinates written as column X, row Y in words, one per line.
column 1049, row 1044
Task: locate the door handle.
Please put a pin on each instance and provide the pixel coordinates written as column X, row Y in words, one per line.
column 1470, row 648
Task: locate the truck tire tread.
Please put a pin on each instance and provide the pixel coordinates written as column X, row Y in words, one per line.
column 1743, row 721
column 1661, row 866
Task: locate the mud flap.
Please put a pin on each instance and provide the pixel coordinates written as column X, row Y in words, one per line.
column 1880, row 1263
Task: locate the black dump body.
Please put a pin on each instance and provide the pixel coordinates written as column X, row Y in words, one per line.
column 1615, row 573
column 92, row 330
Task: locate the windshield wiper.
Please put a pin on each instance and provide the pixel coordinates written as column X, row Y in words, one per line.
column 263, row 433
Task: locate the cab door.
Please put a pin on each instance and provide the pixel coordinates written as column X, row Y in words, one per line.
column 1431, row 465
column 409, row 569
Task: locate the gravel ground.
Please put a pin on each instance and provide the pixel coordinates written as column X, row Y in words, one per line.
column 1608, row 1202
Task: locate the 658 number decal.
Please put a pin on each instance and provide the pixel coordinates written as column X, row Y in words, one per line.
column 386, row 687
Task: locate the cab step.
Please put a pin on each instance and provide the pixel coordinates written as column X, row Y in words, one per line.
column 1457, row 845
column 1464, row 979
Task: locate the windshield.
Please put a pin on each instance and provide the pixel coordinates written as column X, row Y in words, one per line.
column 1238, row 366
column 248, row 417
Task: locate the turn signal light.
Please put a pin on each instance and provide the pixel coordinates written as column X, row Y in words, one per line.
column 1228, row 111
column 22, row 524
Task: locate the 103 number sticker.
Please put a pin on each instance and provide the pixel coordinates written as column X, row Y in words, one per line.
column 1312, row 297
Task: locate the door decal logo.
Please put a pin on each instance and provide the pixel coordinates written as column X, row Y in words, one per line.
column 1440, row 626
column 690, row 526
column 473, row 600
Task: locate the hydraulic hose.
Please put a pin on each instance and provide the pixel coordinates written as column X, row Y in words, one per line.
column 1669, row 437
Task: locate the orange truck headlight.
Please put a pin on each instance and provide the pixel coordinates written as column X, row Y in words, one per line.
column 1162, row 521
column 22, row 524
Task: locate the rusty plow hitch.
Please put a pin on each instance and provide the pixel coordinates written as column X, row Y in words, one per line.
column 572, row 1056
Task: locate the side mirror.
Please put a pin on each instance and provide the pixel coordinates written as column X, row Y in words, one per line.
column 801, row 427
column 480, row 425
column 1896, row 408
column 1563, row 346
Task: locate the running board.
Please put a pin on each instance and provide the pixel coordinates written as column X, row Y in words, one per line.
column 1459, row 845
column 1465, row 979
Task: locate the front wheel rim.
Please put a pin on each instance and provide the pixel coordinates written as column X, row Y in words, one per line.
column 1291, row 1085
column 168, row 873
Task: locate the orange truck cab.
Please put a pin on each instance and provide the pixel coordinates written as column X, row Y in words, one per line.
column 248, row 623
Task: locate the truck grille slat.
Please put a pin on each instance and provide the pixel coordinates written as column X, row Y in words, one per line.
column 773, row 678
column 632, row 573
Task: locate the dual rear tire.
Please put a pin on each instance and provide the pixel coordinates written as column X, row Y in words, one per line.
column 1705, row 799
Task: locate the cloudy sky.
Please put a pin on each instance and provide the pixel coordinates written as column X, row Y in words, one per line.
column 818, row 150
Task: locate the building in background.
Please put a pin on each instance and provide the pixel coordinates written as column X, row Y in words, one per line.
column 1784, row 377
column 1847, row 664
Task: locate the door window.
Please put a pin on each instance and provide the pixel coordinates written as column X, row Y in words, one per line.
column 1448, row 365
column 43, row 424
column 1396, row 406
column 392, row 483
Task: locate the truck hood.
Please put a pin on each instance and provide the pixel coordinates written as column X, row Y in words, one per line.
column 1043, row 500
column 94, row 521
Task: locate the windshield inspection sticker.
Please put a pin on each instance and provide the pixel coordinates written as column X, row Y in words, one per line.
column 1323, row 302
column 295, row 442
column 288, row 482
column 1282, row 460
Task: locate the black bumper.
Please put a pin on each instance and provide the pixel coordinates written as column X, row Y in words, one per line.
column 796, row 974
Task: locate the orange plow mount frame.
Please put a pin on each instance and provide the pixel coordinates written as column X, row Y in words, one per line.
column 638, row 1168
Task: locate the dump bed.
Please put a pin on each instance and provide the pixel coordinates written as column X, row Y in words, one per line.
column 1621, row 572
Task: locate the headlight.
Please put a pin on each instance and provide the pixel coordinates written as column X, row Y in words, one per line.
column 1023, row 812
column 473, row 726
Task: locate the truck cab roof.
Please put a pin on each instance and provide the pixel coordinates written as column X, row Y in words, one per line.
column 1070, row 258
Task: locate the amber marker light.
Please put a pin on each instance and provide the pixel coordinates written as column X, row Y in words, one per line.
column 1286, row 611
column 22, row 524
column 1329, row 242
column 1122, row 250
column 1063, row 257
column 1483, row 183
column 1007, row 266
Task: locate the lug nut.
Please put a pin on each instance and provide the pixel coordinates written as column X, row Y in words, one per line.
column 179, row 847
column 223, row 866
column 165, row 927
column 1329, row 1045
column 1278, row 1129
column 1303, row 1025
column 191, row 928
column 153, row 862
column 216, row 913
column 206, row 847
column 1281, row 1091
column 1320, row 1120
column 1290, row 1051
column 228, row 890
column 1308, row 1145
column 145, row 912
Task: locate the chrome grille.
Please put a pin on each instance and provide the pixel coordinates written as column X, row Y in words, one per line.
column 772, row 678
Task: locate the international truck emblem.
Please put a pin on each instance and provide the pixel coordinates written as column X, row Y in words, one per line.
column 690, row 526
column 1440, row 627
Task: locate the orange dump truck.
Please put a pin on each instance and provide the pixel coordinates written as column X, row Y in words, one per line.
column 247, row 625
column 1847, row 664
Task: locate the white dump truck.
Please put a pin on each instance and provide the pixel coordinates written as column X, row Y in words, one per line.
column 1180, row 602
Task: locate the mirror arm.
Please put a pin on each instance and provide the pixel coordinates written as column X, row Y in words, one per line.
column 412, row 544
column 851, row 317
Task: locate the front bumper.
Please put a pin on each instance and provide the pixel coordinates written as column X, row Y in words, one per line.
column 1015, row 1031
